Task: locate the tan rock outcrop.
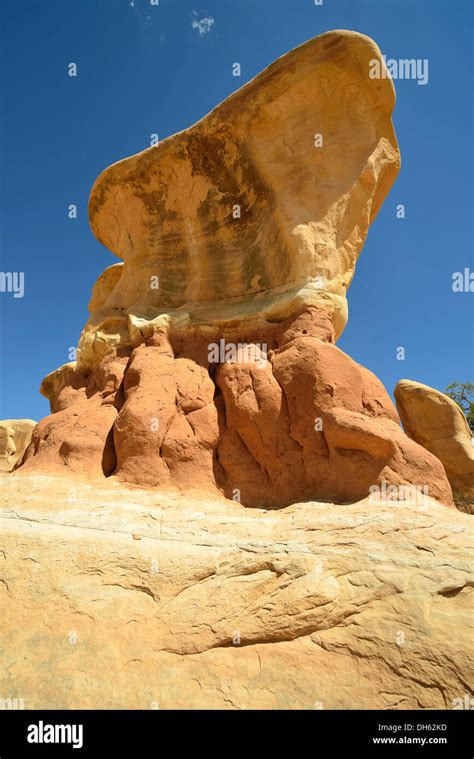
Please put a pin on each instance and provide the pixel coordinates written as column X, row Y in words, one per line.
column 63, row 386
column 208, row 371
column 209, row 358
column 246, row 217
column 437, row 423
column 114, row 597
column 302, row 421
column 15, row 435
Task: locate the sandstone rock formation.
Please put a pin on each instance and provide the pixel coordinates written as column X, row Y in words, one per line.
column 305, row 421
column 124, row 598
column 15, row 436
column 209, row 356
column 245, row 217
column 437, row 423
column 208, row 368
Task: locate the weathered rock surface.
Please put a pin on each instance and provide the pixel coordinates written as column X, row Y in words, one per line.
column 114, row 597
column 246, row 217
column 15, row 435
column 303, row 421
column 286, row 416
column 437, row 423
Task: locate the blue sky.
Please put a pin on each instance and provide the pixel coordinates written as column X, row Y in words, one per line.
column 144, row 69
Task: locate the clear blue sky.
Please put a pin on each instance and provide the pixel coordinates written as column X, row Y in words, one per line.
column 144, row 69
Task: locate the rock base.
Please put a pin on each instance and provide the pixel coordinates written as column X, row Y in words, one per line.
column 115, row 597
column 267, row 419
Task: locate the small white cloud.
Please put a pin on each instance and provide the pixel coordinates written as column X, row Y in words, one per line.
column 203, row 25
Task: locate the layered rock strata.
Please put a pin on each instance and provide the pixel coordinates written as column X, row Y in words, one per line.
column 209, row 358
column 115, row 597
